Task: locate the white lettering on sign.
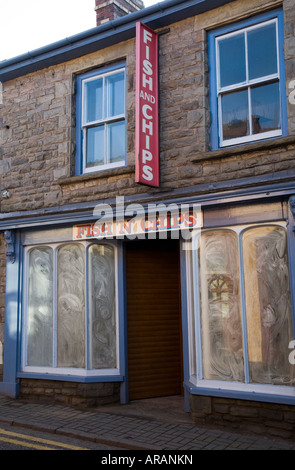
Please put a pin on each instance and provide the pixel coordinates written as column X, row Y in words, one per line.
column 147, row 70
column 147, row 152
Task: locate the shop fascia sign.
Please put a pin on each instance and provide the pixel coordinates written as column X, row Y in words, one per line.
column 147, row 108
column 135, row 221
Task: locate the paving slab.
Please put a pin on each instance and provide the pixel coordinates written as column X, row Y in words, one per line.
column 131, row 431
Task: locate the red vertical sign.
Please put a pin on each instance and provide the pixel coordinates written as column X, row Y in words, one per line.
column 147, row 119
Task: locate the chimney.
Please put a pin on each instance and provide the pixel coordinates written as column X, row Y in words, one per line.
column 108, row 10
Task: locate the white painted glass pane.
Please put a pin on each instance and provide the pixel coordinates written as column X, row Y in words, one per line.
column 115, row 98
column 268, row 305
column 262, row 51
column 94, row 100
column 232, row 60
column 40, row 308
column 117, row 141
column 102, row 307
column 71, row 306
column 95, row 146
column 221, row 326
column 235, row 115
column 266, row 115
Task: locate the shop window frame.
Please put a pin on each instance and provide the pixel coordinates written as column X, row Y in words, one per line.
column 71, row 373
column 196, row 383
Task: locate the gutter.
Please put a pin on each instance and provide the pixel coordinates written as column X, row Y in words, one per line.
column 108, row 34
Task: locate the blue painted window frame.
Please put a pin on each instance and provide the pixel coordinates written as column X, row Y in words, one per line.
column 193, row 378
column 99, row 375
column 213, row 98
column 80, row 79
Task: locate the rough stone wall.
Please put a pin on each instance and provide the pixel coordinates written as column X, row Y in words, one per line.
column 38, row 134
column 38, row 121
column 264, row 419
column 35, row 138
column 70, row 393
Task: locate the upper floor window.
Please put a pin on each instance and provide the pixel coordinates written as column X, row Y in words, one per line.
column 247, row 81
column 101, row 124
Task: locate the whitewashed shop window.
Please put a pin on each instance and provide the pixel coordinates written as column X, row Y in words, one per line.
column 242, row 310
column 101, row 123
column 70, row 318
column 247, row 81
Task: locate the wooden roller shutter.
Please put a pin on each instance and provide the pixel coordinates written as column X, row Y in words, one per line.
column 153, row 319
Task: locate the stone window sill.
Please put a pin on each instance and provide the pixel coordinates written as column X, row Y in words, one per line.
column 240, row 149
column 63, row 181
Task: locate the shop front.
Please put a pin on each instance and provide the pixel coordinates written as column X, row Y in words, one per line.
column 204, row 312
column 93, row 309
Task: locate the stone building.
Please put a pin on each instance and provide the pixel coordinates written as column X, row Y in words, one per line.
column 115, row 290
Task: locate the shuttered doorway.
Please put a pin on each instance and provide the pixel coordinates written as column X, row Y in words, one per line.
column 153, row 319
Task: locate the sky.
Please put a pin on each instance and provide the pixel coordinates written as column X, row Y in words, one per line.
column 26, row 25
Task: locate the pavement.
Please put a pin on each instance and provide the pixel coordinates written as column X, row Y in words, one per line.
column 150, row 425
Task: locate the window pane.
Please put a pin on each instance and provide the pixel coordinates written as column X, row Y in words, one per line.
column 232, row 60
column 102, row 307
column 222, row 346
column 266, row 108
column 268, row 305
column 40, row 308
column 235, row 115
column 95, row 146
column 262, row 51
column 71, row 306
column 115, row 95
column 94, row 100
column 117, row 145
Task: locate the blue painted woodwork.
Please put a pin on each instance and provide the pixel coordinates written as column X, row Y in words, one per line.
column 277, row 13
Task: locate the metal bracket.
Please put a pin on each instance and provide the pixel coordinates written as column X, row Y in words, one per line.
column 10, row 247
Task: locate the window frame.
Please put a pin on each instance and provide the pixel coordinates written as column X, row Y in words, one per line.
column 198, row 384
column 68, row 371
column 82, row 125
column 215, row 90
